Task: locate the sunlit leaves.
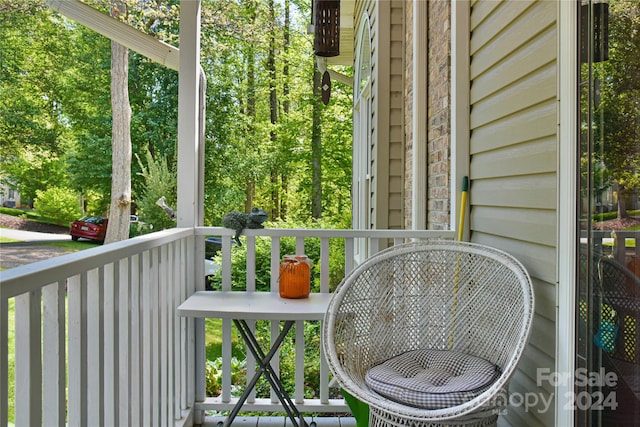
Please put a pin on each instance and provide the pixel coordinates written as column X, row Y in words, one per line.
column 54, row 99
column 617, row 112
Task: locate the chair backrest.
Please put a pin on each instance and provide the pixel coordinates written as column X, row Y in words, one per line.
column 433, row 294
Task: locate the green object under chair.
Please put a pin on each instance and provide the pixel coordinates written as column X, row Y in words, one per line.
column 360, row 410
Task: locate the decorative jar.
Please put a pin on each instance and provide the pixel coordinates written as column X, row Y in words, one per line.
column 295, row 276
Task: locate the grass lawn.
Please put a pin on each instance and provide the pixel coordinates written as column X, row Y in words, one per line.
column 213, row 334
column 213, row 339
column 8, row 240
column 71, row 245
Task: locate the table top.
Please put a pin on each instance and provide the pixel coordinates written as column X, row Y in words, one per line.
column 254, row 306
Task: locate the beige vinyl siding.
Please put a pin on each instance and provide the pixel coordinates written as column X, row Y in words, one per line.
column 380, row 120
column 387, row 115
column 513, row 160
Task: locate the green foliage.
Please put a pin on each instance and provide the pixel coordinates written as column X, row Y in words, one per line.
column 10, row 211
column 213, row 376
column 605, row 216
column 159, row 180
column 251, row 160
column 239, row 269
column 58, row 203
column 287, row 364
column 287, row 247
column 55, row 104
column 89, row 168
column 28, row 214
column 95, row 202
column 312, row 333
column 30, row 171
column 30, row 86
column 72, row 246
column 263, row 277
column 616, row 112
column 153, row 94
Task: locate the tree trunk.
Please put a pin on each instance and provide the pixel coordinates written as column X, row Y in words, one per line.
column 273, row 107
column 120, row 209
column 250, row 188
column 285, row 68
column 284, row 177
column 623, row 196
column 316, row 146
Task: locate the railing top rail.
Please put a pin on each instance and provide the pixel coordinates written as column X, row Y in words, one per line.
column 609, row 233
column 324, row 232
column 18, row 280
column 15, row 281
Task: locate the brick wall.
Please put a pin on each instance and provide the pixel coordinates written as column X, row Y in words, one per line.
column 439, row 114
column 408, row 113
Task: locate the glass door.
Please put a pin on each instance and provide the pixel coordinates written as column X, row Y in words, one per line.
column 607, row 377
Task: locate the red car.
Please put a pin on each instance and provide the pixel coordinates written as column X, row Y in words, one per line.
column 89, row 227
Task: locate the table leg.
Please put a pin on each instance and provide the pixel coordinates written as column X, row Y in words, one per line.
column 264, row 362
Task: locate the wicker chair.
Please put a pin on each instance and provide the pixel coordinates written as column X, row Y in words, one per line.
column 441, row 297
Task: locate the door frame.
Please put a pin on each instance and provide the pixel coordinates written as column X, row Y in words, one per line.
column 567, row 208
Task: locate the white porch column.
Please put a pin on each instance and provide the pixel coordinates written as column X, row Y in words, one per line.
column 188, row 113
column 190, row 179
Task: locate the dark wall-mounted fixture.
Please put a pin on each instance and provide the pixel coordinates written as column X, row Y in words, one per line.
column 326, row 22
column 600, row 31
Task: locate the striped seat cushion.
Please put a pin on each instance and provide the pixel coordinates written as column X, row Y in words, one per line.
column 432, row 379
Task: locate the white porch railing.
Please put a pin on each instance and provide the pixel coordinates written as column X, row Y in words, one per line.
column 622, row 245
column 95, row 335
column 96, row 339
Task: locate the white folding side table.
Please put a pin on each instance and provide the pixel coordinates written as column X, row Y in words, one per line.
column 242, row 306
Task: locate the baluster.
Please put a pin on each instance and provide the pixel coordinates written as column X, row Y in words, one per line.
column 146, row 338
column 4, row 360
column 163, row 325
column 111, row 344
column 28, row 365
column 123, row 354
column 95, row 345
column 54, row 354
column 77, row 297
column 135, row 329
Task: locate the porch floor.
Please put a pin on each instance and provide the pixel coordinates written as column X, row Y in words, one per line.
column 272, row 421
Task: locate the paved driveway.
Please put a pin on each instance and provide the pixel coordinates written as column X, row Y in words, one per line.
column 30, row 248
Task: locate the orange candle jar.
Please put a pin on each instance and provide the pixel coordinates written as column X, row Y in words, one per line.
column 295, row 276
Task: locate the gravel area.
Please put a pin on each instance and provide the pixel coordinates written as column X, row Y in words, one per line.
column 15, row 254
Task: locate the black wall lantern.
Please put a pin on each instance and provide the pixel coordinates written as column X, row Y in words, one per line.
column 600, row 11
column 326, row 22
